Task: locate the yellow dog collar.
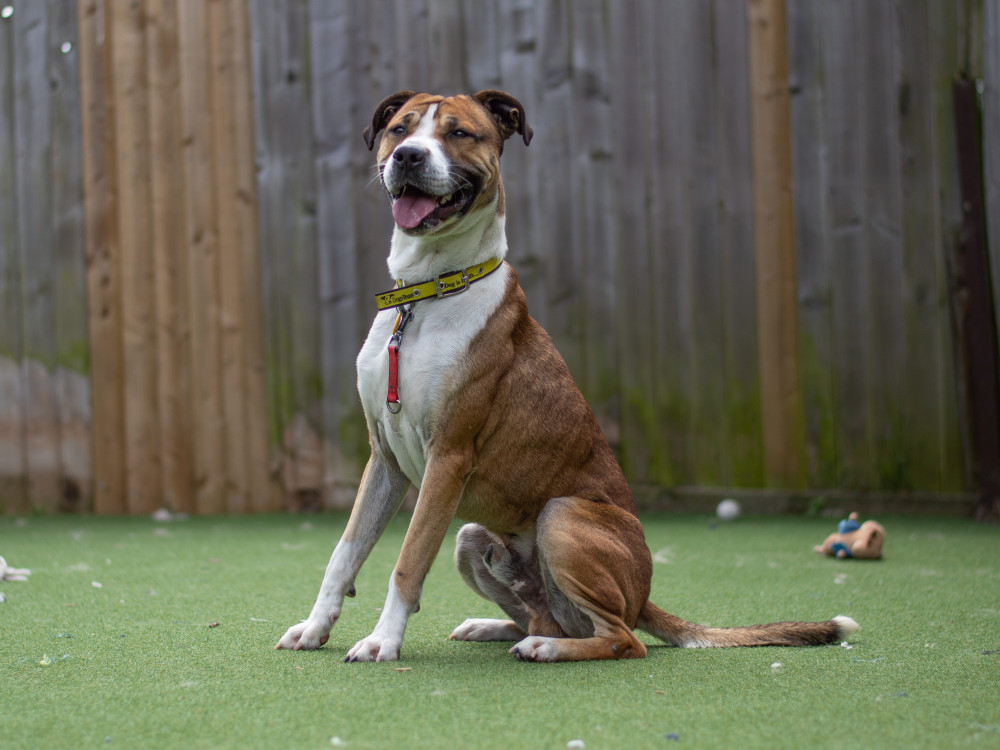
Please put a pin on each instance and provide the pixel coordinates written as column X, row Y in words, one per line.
column 445, row 285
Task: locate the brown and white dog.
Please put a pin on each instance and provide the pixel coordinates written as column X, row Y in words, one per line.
column 475, row 407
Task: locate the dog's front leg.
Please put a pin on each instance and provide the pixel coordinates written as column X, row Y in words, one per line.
column 440, row 493
column 382, row 489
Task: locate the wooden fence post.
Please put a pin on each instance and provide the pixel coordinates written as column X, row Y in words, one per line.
column 774, row 238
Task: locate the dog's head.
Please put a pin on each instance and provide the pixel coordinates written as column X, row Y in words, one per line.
column 439, row 158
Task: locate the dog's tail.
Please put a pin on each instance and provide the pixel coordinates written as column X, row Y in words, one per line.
column 678, row 632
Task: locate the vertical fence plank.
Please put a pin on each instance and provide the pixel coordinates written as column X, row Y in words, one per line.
column 342, row 296
column 991, row 141
column 248, row 257
column 33, row 135
column 230, row 290
column 69, row 298
column 743, row 438
column 944, row 60
column 671, row 241
column 640, row 437
column 813, row 242
column 518, row 30
column 593, row 197
column 777, row 320
column 708, row 426
column 202, row 247
column 103, row 258
column 411, row 48
column 169, row 233
column 288, row 232
column 847, row 262
column 481, row 32
column 558, row 234
column 446, row 43
column 134, row 162
column 879, row 138
column 923, row 271
column 13, row 462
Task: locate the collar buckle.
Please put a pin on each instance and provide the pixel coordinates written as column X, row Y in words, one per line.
column 449, row 288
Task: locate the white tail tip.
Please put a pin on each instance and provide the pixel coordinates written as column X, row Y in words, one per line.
column 845, row 626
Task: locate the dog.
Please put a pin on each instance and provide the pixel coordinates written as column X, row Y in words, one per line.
column 467, row 399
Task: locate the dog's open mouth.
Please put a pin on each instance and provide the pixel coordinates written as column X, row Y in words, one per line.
column 414, row 209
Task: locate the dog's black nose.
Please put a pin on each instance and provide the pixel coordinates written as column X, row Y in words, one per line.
column 409, row 157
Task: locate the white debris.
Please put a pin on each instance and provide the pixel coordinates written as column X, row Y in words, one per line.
column 728, row 510
column 8, row 573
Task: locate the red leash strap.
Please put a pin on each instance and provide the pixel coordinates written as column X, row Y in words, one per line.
column 392, row 396
column 392, row 402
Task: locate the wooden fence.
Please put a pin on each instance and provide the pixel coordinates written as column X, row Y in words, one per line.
column 737, row 221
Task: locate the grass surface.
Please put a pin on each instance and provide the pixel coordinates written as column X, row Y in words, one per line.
column 135, row 662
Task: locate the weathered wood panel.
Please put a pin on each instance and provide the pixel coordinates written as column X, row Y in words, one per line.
column 13, row 463
column 945, row 61
column 69, row 299
column 871, row 244
column 777, row 311
column 33, row 136
column 202, row 247
column 45, row 459
column 927, row 325
column 991, row 139
column 173, row 327
column 103, row 258
column 226, row 296
column 261, row 494
column 742, row 429
column 126, row 26
column 171, row 207
column 287, row 185
column 631, row 223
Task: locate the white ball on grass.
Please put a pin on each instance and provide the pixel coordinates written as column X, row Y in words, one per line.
column 728, row 510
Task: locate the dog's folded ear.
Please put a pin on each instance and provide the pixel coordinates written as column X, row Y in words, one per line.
column 508, row 112
column 383, row 113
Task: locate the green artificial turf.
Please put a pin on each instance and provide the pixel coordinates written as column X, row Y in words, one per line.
column 136, row 663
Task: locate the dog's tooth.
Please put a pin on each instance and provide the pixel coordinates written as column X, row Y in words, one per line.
column 444, row 199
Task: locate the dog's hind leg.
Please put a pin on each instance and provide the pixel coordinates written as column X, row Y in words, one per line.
column 596, row 569
column 505, row 571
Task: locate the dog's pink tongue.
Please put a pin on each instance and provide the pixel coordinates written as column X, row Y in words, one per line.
column 412, row 207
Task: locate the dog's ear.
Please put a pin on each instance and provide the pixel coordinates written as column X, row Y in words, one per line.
column 383, row 113
column 508, row 112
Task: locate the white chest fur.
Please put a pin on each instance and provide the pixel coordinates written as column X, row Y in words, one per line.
column 434, row 344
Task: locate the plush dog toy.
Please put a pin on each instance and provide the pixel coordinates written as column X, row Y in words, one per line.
column 853, row 539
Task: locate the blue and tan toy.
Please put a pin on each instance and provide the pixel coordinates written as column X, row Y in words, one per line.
column 853, row 539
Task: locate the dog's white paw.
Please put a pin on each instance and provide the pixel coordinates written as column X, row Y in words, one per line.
column 307, row 635
column 374, row 648
column 475, row 629
column 535, row 648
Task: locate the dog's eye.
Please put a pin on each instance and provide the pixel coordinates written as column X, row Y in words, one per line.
column 398, row 130
column 459, row 133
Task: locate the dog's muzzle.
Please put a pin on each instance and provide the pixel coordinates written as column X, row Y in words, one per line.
column 422, row 196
